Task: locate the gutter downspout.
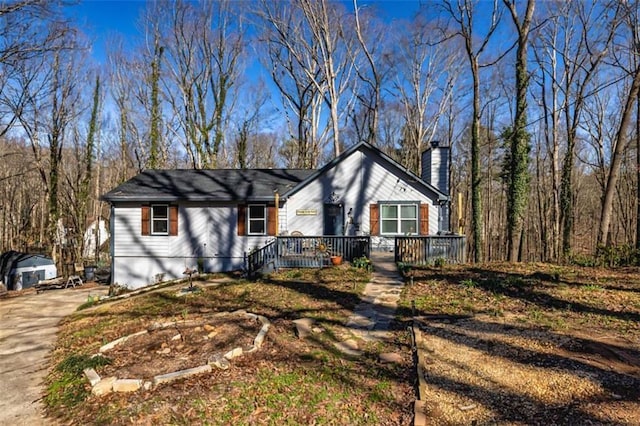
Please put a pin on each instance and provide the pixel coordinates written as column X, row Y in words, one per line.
column 277, row 212
column 112, row 244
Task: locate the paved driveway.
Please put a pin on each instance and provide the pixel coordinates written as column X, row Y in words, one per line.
column 28, row 326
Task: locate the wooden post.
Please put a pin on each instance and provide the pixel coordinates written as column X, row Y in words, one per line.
column 460, row 215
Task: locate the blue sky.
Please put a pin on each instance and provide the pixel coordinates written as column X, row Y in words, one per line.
column 100, row 19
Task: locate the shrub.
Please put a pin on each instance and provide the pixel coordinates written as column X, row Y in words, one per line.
column 362, row 263
column 622, row 255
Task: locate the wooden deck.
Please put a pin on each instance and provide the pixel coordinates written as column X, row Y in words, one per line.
column 316, row 251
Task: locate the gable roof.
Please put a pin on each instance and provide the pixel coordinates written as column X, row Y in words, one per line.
column 207, row 185
column 384, row 158
column 241, row 184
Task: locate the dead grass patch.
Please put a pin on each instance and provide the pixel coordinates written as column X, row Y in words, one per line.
column 529, row 344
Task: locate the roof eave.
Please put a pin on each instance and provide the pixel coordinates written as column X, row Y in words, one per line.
column 165, row 199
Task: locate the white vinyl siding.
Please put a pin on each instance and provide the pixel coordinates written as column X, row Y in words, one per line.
column 204, row 231
column 358, row 182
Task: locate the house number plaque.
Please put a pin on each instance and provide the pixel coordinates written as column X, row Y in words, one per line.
column 306, row 212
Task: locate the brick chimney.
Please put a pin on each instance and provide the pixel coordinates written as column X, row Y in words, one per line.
column 435, row 166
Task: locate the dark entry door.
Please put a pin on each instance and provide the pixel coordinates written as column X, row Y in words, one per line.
column 333, row 219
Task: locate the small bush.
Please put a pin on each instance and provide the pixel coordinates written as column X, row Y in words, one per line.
column 582, row 260
column 622, row 255
column 469, row 283
column 362, row 263
column 439, row 262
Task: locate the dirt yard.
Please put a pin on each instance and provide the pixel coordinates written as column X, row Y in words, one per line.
column 531, row 344
column 179, row 347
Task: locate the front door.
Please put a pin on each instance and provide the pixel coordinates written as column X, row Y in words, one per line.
column 333, row 219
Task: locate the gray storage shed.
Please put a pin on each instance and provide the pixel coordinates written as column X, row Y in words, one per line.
column 23, row 270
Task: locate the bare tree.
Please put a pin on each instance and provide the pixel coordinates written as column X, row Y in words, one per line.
column 323, row 56
column 287, row 38
column 204, row 44
column 426, row 73
column 50, row 86
column 585, row 46
column 333, row 43
column 631, row 68
column 463, row 15
column 120, row 79
column 371, row 72
column 28, row 29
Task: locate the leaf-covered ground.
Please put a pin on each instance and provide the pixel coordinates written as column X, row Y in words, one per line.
column 288, row 381
column 501, row 344
column 528, row 344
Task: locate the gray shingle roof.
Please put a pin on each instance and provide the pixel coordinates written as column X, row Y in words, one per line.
column 207, row 185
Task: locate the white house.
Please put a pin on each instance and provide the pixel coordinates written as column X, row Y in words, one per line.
column 163, row 221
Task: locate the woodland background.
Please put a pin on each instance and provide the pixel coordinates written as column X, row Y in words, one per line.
column 537, row 100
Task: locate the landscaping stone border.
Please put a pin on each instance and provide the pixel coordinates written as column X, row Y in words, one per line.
column 419, row 416
column 102, row 386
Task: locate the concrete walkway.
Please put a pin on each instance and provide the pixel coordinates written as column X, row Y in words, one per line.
column 28, row 326
column 371, row 318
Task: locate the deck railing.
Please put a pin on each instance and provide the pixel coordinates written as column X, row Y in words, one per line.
column 307, row 252
column 425, row 250
column 316, row 251
column 257, row 259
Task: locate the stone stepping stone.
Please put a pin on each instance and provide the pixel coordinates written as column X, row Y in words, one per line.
column 304, row 327
column 390, row 358
column 348, row 347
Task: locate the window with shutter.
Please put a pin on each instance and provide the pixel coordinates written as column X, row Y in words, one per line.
column 398, row 218
column 159, row 219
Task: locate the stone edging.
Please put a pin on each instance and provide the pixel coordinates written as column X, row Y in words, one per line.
column 103, row 386
column 419, row 417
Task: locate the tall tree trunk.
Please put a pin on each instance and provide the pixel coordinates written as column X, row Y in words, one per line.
column 83, row 196
column 616, row 160
column 156, row 114
column 637, row 172
column 518, row 185
column 476, row 195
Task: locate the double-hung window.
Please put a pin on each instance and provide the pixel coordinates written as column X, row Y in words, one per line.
column 160, row 219
column 257, row 219
column 399, row 218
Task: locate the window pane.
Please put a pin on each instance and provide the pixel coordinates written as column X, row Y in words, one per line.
column 160, row 212
column 409, row 212
column 160, row 226
column 256, row 212
column 389, row 226
column 389, row 212
column 408, row 226
column 160, row 219
column 256, row 227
